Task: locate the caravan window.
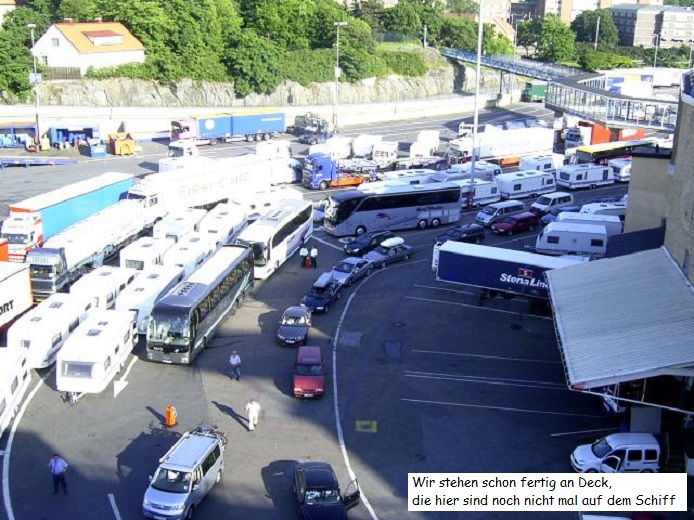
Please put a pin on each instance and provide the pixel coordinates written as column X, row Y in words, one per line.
column 15, row 382
column 596, row 242
column 516, row 187
column 26, row 343
column 552, row 240
column 107, row 363
column 2, row 406
column 56, row 339
column 83, row 370
column 73, row 325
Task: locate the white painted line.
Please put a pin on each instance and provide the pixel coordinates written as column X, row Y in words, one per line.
column 580, row 432
column 479, row 307
column 503, row 408
column 488, row 381
column 130, row 366
column 8, row 448
column 487, row 356
column 435, row 288
column 336, row 411
column 114, row 507
column 314, row 237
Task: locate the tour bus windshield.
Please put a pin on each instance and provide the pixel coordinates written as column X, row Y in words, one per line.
column 259, row 251
column 168, row 328
column 15, row 238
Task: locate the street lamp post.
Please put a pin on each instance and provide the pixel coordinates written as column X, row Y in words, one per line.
column 35, row 80
column 337, row 73
column 691, row 49
column 655, row 60
column 476, row 117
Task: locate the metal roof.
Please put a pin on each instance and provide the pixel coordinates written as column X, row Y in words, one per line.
column 622, row 319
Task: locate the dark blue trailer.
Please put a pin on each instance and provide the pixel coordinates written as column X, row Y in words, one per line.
column 256, row 125
column 497, row 269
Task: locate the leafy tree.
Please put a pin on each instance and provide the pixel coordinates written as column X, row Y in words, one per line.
column 78, row 10
column 457, row 33
column 556, row 42
column 585, row 26
column 370, row 11
column 590, row 59
column 287, row 23
column 493, row 43
column 403, row 19
column 254, row 62
column 528, row 34
column 462, row 6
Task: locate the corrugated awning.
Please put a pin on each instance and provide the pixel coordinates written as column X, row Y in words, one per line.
column 623, row 319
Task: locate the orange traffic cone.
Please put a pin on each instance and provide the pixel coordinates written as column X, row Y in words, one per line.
column 170, row 416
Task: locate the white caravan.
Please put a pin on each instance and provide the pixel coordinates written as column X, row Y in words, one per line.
column 189, row 255
column 584, row 176
column 483, row 193
column 621, row 169
column 178, row 223
column 150, row 286
column 549, row 162
column 260, row 202
column 223, row 222
column 43, row 330
column 560, row 238
column 101, row 286
column 406, row 174
column 145, row 252
column 363, row 145
column 275, row 148
column 385, row 153
column 14, row 381
column 430, row 141
column 484, row 170
column 612, row 223
column 525, row 184
column 618, row 209
column 95, row 353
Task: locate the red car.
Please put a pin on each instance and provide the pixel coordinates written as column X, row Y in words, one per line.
column 309, row 373
column 516, row 224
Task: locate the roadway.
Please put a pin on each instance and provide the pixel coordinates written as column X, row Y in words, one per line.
column 426, row 380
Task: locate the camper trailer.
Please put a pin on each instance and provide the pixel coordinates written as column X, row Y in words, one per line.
column 178, row 223
column 43, row 330
column 549, row 162
column 95, row 353
column 188, row 255
column 223, row 222
column 621, row 169
column 584, row 176
column 484, row 170
column 613, row 224
column 526, row 183
column 145, row 252
column 560, row 238
column 483, row 193
column 141, row 295
column 618, row 209
column 259, row 202
column 101, row 286
column 14, row 381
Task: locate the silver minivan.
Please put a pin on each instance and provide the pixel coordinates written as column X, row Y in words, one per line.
column 497, row 211
column 185, row 475
column 618, row 453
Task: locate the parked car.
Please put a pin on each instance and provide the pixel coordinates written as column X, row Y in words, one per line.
column 324, row 292
column 317, row 492
column 391, row 250
column 366, row 242
column 319, row 212
column 313, row 137
column 351, row 270
column 309, row 373
column 294, row 326
column 553, row 214
column 471, row 233
column 516, row 224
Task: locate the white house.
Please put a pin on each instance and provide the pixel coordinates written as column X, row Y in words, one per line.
column 5, row 7
column 94, row 44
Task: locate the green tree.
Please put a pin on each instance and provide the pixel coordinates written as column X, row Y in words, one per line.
column 493, row 43
column 254, row 62
column 462, row 6
column 402, row 19
column 528, row 35
column 370, row 11
column 78, row 10
column 287, row 23
column 586, row 23
column 590, row 59
column 556, row 42
column 457, row 33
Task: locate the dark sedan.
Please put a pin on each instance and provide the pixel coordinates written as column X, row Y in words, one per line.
column 323, row 294
column 366, row 242
column 317, row 492
column 471, row 233
column 553, row 214
column 294, row 325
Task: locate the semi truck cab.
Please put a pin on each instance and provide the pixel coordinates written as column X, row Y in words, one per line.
column 47, row 272
column 23, row 232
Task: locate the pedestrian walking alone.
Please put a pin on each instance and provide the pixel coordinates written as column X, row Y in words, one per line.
column 235, row 362
column 303, row 253
column 252, row 412
column 314, row 257
column 58, row 467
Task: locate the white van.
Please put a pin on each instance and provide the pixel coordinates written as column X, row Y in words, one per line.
column 145, row 252
column 188, row 255
column 497, row 211
column 257, row 203
column 618, row 209
column 148, row 288
column 548, row 162
column 621, row 169
column 223, row 222
column 43, row 330
column 584, row 176
column 618, row 453
column 483, row 192
column 178, row 223
column 526, row 183
column 101, row 286
column 14, row 381
column 559, row 238
column 95, row 352
column 613, row 225
column 550, row 201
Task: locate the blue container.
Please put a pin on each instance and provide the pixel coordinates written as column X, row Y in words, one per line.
column 97, row 150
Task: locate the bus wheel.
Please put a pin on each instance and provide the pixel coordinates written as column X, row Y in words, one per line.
column 422, row 224
column 238, row 302
column 323, row 185
column 190, row 513
column 591, row 187
column 360, row 230
column 435, row 223
column 204, row 343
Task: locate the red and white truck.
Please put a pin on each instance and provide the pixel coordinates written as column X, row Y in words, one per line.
column 587, row 132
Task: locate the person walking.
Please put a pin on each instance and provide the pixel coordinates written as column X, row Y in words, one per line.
column 314, row 257
column 57, row 466
column 303, row 252
column 252, row 412
column 235, row 362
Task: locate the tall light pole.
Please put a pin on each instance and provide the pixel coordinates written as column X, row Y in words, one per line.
column 597, row 33
column 655, row 59
column 35, row 80
column 337, row 73
column 691, row 49
column 476, row 117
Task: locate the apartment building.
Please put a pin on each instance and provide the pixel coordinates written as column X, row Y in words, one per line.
column 651, row 25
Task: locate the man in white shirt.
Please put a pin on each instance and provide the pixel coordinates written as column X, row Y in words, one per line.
column 58, row 467
column 314, row 257
column 235, row 362
column 252, row 412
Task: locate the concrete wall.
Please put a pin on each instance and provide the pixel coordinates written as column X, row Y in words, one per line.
column 649, row 190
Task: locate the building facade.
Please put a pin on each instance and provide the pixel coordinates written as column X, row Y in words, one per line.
column 650, row 25
column 5, row 7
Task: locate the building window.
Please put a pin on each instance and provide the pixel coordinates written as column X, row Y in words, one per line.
column 44, row 61
column 55, row 42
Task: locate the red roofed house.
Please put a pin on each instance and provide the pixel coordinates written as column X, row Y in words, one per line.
column 82, row 45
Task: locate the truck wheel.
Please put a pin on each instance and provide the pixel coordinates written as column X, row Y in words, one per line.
column 360, row 230
column 213, row 142
column 249, row 138
column 266, row 137
column 323, row 185
column 435, row 223
column 312, row 141
column 422, row 224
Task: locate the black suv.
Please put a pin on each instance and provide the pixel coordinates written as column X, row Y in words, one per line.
column 366, row 242
column 318, row 494
column 472, row 233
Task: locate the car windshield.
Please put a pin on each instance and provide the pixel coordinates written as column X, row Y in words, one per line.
column 363, row 240
column 381, row 250
column 600, row 448
column 316, row 497
column 544, row 201
column 15, row 238
column 344, row 267
column 308, row 370
column 507, row 220
column 171, row 481
column 170, row 329
column 489, row 211
column 294, row 320
column 318, row 292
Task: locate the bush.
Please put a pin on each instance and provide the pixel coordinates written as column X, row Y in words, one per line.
column 307, row 66
column 404, row 63
column 129, row 70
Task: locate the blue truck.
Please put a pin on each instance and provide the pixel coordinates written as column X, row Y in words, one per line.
column 35, row 220
column 321, row 172
column 257, row 125
column 496, row 270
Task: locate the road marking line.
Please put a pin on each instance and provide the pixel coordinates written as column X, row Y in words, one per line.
column 472, row 379
column 486, row 378
column 486, row 356
column 130, row 366
column 502, row 408
column 480, row 307
column 314, row 237
column 580, row 432
column 445, row 289
column 114, row 507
